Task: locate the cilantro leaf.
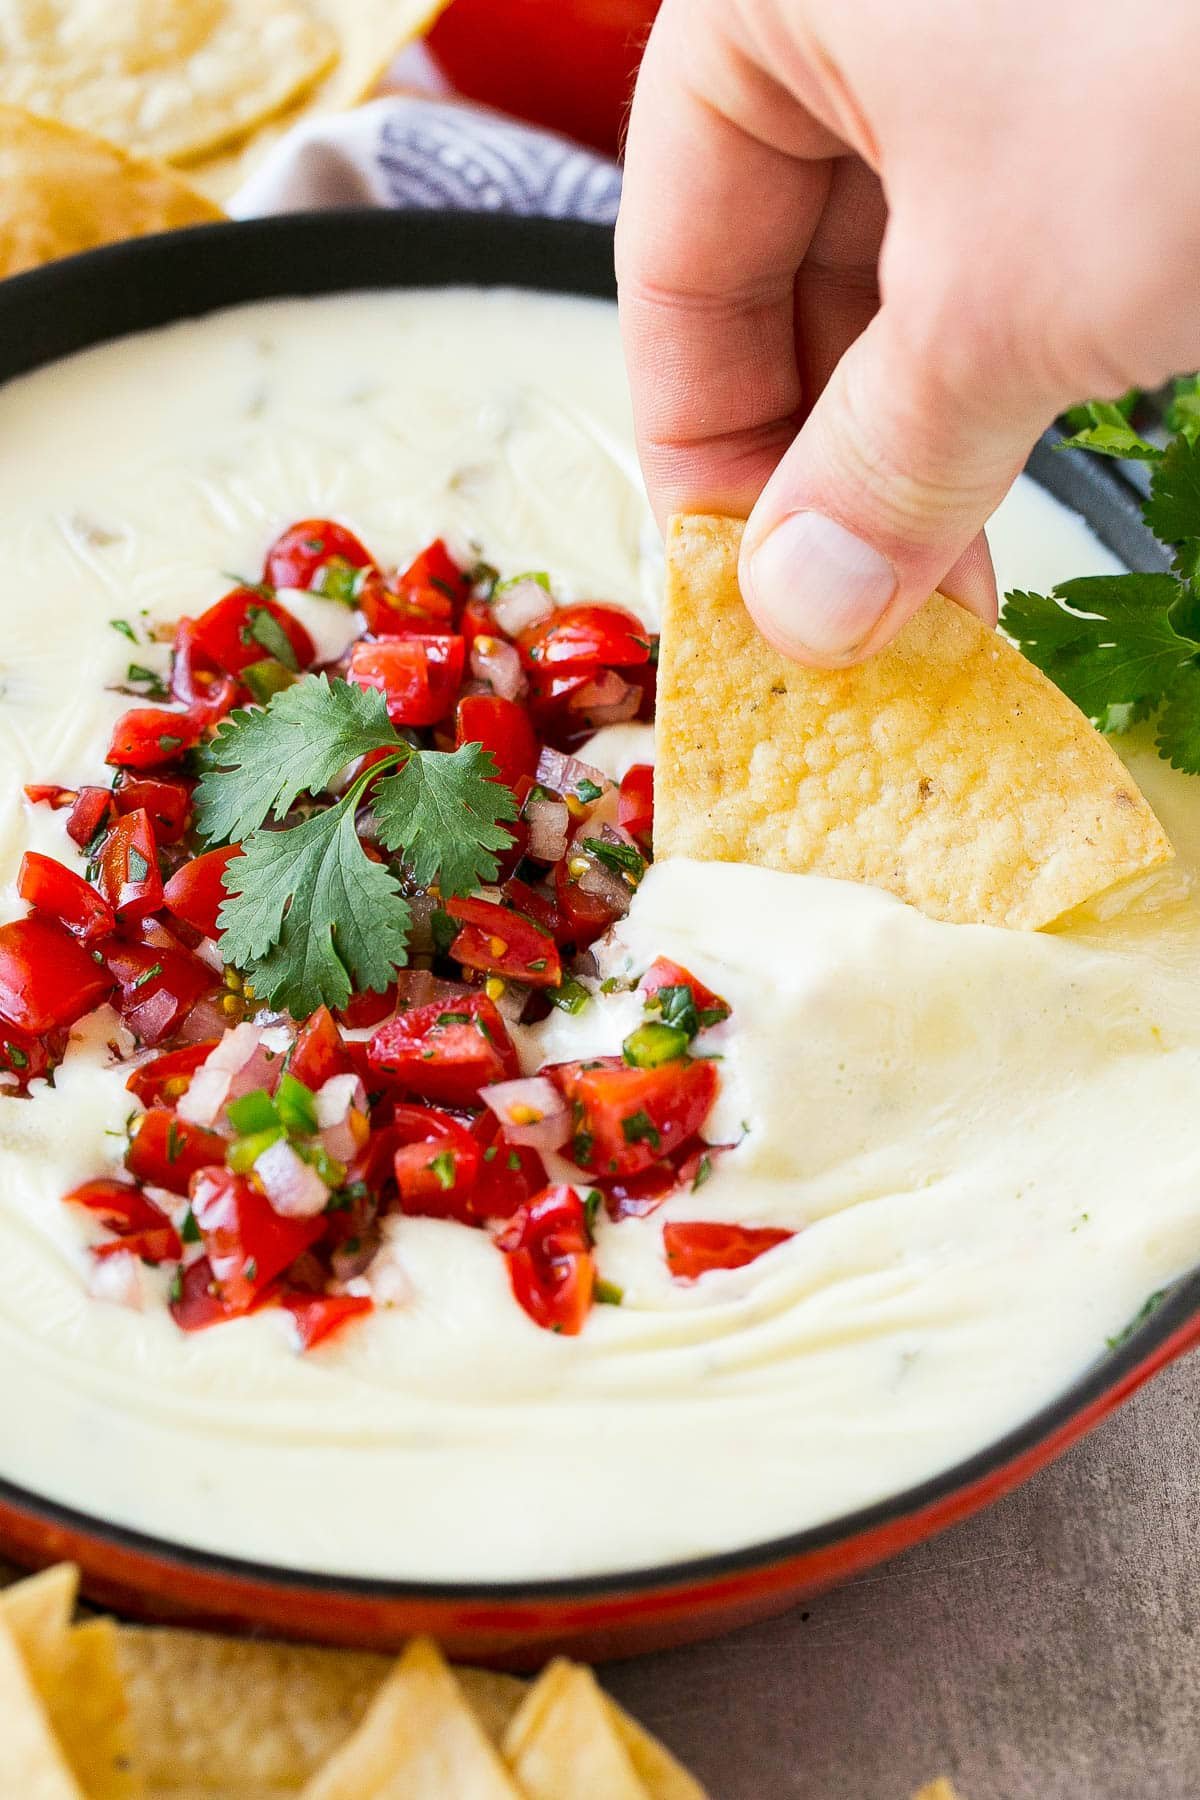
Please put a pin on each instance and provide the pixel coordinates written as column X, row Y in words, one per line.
column 444, row 809
column 260, row 761
column 1177, row 737
column 1183, row 413
column 1125, row 652
column 1103, row 426
column 310, row 917
column 1173, row 510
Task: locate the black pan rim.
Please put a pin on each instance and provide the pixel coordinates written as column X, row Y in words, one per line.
column 48, row 313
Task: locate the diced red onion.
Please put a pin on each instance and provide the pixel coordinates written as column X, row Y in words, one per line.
column 608, row 700
column 117, row 1279
column 499, row 663
column 551, row 1127
column 603, row 885
column 511, row 1003
column 350, row 1265
column 549, row 827
column 205, row 1021
column 564, row 773
column 292, row 1186
column 152, row 1018
column 420, row 987
column 210, row 953
column 340, row 1096
column 523, row 604
column 245, row 1059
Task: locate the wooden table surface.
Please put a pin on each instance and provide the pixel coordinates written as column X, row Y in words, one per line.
column 1048, row 1649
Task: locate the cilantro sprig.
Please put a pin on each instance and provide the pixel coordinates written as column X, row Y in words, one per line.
column 1127, row 647
column 311, row 918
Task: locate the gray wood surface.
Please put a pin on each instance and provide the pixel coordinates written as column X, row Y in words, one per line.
column 1047, row 1649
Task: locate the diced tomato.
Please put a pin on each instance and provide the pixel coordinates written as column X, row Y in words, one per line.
column 694, row 1247
column 150, row 737
column 436, row 1162
column 363, row 1010
column 168, row 802
column 197, row 892
column 419, row 674
column 299, row 555
column 320, row 1051
column 538, row 906
column 627, row 1119
column 503, row 728
column 165, row 1151
column 476, row 620
column 435, row 567
column 196, row 1304
column 663, row 973
column 93, row 810
column 157, row 1244
column 245, row 626
column 582, row 917
column 47, row 978
column 39, row 793
column 509, row 1174
column 547, row 1246
column 205, row 690
column 392, row 614
column 318, row 1316
column 502, row 942
column 129, row 877
column 446, row 1051
column 636, row 1196
column 635, row 806
column 118, row 1205
column 159, row 986
column 24, row 1058
column 599, row 637
column 165, row 1079
column 51, row 888
column 247, row 1241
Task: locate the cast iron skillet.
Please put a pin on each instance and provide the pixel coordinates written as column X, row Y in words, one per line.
column 128, row 287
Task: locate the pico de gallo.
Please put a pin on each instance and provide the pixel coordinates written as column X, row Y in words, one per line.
column 267, row 1146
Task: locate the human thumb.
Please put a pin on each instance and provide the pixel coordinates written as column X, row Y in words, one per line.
column 882, row 496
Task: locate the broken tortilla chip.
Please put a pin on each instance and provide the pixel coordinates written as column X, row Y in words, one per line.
column 419, row 1741
column 564, row 1743
column 90, row 1716
column 63, row 190
column 369, row 33
column 34, row 1764
column 937, row 1790
column 38, row 1613
column 946, row 769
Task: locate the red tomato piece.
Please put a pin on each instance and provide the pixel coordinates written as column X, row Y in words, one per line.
column 318, row 1316
column 167, row 800
column 196, row 1304
column 635, row 805
column 94, row 809
column 503, row 728
column 582, row 917
column 435, row 568
column 509, row 1174
column 585, row 636
column 320, row 1051
column 49, row 794
column 245, row 626
column 538, row 906
column 166, row 1078
column 159, row 986
column 195, row 678
column 392, row 614
column 436, row 1162
column 24, row 1058
column 150, row 737
column 627, row 1119
column 118, row 1205
column 548, row 1248
column 247, row 1241
column 446, row 1051
column 197, row 892
column 694, row 1247
column 665, row 973
column 166, row 1151
column 476, row 620
column 129, row 877
column 51, row 888
column 636, row 1196
column 47, row 978
column 362, row 1011
column 300, row 554
column 502, row 942
column 419, row 674
column 157, row 1244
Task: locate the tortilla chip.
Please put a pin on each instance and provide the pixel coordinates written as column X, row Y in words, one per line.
column 33, row 1763
column 564, row 1743
column 492, row 1697
column 947, row 769
column 90, row 1715
column 172, row 79
column 662, row 1777
column 419, row 1741
column 38, row 1613
column 937, row 1790
column 369, row 35
column 63, row 190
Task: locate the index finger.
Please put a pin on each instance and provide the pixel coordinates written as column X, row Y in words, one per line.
column 725, row 180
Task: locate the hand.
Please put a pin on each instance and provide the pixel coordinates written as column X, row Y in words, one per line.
column 864, row 376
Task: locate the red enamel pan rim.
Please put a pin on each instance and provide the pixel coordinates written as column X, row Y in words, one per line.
column 52, row 312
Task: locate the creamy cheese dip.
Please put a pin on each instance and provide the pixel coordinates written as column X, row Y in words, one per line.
column 983, row 1140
